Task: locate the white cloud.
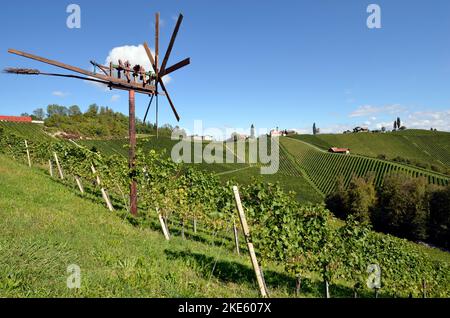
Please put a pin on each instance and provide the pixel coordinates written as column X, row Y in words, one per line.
column 134, row 54
column 349, row 98
column 301, row 131
column 98, row 85
column 421, row 120
column 115, row 98
column 387, row 124
column 368, row 110
column 59, row 94
column 427, row 119
column 335, row 129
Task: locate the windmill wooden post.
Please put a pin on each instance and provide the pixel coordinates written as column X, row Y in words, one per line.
column 132, row 153
column 124, row 77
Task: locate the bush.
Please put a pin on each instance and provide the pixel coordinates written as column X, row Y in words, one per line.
column 361, row 198
column 403, row 207
column 439, row 224
column 337, row 200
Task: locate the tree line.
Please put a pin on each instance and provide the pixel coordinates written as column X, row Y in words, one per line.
column 95, row 122
column 403, row 206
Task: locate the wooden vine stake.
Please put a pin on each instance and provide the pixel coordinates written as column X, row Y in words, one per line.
column 327, row 289
column 104, row 194
column 50, row 168
column 28, row 154
column 236, row 237
column 80, row 185
column 256, row 268
column 424, row 289
column 164, row 227
column 58, row 165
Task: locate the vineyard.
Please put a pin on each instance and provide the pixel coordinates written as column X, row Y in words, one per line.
column 302, row 239
column 426, row 148
column 324, row 168
column 25, row 130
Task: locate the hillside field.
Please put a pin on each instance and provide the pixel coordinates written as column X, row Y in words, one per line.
column 32, row 232
column 38, row 241
column 305, row 166
column 428, row 148
column 117, row 259
column 324, row 168
column 289, row 177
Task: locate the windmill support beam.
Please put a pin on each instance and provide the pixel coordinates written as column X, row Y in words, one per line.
column 124, row 77
column 108, row 80
column 132, row 153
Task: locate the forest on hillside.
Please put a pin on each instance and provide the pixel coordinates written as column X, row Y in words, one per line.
column 97, row 122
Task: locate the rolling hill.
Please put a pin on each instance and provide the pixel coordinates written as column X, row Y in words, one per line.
column 118, row 259
column 323, row 168
column 290, row 178
column 122, row 256
column 305, row 166
column 428, row 149
column 26, row 130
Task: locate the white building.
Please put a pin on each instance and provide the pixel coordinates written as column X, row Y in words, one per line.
column 201, row 138
column 277, row 133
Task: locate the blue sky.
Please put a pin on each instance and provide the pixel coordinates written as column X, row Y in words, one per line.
column 271, row 63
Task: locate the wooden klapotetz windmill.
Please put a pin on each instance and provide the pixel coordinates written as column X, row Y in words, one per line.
column 124, row 76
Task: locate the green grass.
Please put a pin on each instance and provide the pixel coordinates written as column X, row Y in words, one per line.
column 422, row 146
column 46, row 227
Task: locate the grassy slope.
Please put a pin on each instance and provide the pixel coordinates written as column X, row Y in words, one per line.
column 421, row 145
column 45, row 227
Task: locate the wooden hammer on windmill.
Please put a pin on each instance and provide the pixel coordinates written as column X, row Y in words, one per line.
column 125, row 77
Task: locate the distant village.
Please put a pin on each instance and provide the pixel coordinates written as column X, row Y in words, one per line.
column 235, row 136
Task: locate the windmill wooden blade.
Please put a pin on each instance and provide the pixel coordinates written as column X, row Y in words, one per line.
column 148, row 108
column 54, row 63
column 150, row 55
column 171, row 43
column 157, row 44
column 27, row 71
column 169, row 99
column 114, row 82
column 175, row 67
